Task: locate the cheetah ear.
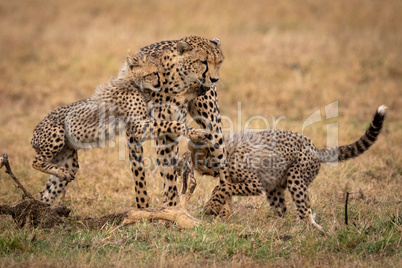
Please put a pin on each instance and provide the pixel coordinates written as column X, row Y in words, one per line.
column 131, row 62
column 183, row 46
column 216, row 42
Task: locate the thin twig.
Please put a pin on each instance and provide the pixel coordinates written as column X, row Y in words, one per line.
column 361, row 194
column 4, row 162
column 346, row 208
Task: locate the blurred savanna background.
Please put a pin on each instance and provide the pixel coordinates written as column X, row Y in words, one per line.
column 282, row 58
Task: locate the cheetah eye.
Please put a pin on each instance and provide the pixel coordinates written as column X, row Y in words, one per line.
column 204, row 62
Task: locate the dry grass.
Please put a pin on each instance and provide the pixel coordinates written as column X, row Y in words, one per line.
column 282, row 58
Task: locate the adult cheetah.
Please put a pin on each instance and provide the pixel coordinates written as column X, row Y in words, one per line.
column 271, row 161
column 179, row 58
column 86, row 123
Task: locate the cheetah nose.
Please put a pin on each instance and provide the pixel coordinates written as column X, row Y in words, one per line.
column 214, row 80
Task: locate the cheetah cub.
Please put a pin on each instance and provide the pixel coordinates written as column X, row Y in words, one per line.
column 273, row 160
column 88, row 123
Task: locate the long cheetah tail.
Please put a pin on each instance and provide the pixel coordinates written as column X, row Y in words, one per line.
column 358, row 147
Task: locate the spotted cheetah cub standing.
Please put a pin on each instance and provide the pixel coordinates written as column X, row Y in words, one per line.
column 88, row 123
column 271, row 161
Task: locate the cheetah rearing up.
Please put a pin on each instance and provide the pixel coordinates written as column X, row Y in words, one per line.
column 271, row 161
column 86, row 123
column 179, row 58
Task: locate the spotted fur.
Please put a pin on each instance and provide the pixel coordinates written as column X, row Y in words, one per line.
column 272, row 161
column 86, row 123
column 185, row 61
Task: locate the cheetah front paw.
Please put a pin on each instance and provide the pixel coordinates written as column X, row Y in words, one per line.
column 226, row 211
column 67, row 176
column 212, row 208
column 199, row 136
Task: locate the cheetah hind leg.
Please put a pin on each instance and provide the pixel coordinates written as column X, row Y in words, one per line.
column 49, row 149
column 276, row 199
column 310, row 216
column 67, row 158
column 303, row 208
column 52, row 189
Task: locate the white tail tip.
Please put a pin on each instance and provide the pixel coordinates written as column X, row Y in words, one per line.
column 381, row 109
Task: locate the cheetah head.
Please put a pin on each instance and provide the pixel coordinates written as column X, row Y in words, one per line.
column 145, row 72
column 199, row 60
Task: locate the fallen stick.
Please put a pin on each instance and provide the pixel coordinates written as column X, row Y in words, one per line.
column 178, row 214
column 174, row 214
column 4, row 162
column 31, row 211
column 35, row 212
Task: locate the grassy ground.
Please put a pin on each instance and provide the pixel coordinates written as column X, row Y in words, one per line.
column 283, row 58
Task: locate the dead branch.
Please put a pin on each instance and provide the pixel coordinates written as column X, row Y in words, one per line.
column 173, row 214
column 36, row 213
column 31, row 211
column 178, row 214
column 4, row 162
